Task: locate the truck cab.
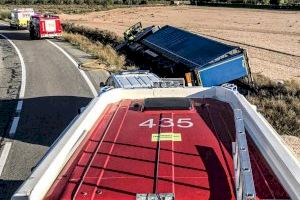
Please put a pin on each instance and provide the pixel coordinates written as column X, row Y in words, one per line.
column 139, row 79
column 44, row 26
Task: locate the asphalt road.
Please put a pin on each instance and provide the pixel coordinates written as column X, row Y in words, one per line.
column 54, row 92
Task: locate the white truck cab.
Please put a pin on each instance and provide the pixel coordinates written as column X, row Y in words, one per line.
column 20, row 17
column 139, row 79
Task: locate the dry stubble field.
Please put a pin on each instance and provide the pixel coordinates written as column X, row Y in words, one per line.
column 272, row 37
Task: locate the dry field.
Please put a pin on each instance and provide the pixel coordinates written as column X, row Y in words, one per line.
column 272, row 37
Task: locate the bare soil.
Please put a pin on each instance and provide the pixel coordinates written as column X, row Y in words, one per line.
column 293, row 144
column 272, row 37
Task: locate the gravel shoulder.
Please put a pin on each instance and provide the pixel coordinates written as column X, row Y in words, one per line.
column 272, row 37
column 10, row 82
column 10, row 71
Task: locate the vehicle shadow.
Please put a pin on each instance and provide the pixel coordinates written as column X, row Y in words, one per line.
column 7, row 188
column 218, row 182
column 14, row 34
column 42, row 119
column 17, row 35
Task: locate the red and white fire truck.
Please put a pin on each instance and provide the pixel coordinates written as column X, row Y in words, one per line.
column 44, row 25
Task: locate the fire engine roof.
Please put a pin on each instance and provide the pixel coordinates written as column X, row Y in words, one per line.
column 39, row 15
column 187, row 152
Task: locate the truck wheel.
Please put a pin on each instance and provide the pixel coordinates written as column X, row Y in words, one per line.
column 31, row 34
column 38, row 36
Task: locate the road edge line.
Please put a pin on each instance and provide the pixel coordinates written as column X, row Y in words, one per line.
column 83, row 74
column 18, row 110
column 23, row 68
column 4, row 155
column 14, row 125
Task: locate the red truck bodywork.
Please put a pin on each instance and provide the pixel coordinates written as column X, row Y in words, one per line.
column 42, row 26
column 119, row 160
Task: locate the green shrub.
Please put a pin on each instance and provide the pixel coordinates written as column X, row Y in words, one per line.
column 28, row 2
column 68, row 1
column 79, row 1
column 89, row 2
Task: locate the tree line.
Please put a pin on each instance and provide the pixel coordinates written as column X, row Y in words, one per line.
column 80, row 2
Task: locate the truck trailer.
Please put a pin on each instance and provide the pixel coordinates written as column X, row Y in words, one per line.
column 173, row 52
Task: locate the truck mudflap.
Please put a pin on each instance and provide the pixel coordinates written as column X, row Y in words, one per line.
column 223, row 71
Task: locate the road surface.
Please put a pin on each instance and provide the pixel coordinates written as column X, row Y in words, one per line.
column 54, row 91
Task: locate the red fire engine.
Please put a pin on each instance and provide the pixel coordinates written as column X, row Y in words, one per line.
column 46, row 25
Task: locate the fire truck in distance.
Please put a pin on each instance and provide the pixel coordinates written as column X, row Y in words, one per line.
column 44, row 26
column 20, row 17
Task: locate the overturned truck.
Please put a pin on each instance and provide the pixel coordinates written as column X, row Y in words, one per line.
column 173, row 52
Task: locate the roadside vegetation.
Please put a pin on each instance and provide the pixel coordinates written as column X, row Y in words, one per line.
column 4, row 14
column 279, row 102
column 105, row 54
column 103, row 36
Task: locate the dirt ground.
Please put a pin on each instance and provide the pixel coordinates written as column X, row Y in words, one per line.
column 272, row 37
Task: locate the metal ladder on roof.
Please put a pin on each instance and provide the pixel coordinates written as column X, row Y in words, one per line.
column 244, row 183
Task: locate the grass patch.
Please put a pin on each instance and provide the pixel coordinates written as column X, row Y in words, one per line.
column 103, row 36
column 4, row 14
column 105, row 53
column 279, row 103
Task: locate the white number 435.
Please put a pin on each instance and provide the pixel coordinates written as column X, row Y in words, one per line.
column 168, row 122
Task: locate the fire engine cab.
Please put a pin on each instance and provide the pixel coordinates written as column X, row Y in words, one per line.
column 46, row 25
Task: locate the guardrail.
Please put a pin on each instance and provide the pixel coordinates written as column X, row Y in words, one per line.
column 244, row 183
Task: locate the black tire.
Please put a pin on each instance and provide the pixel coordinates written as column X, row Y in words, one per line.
column 31, row 32
column 38, row 36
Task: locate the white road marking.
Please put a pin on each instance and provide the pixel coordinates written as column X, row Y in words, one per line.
column 83, row 74
column 23, row 84
column 14, row 127
column 19, row 106
column 4, row 155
